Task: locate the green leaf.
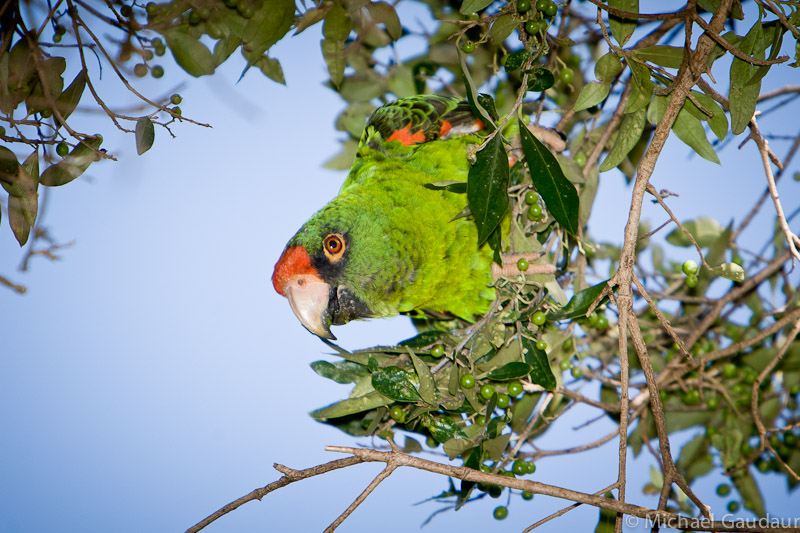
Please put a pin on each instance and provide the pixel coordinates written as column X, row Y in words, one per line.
column 729, row 444
column 22, row 209
column 351, row 406
column 540, row 79
column 192, row 55
column 473, row 98
column 592, row 94
column 441, row 428
column 666, row 56
column 337, row 25
column 606, row 522
column 344, row 159
column 630, row 131
column 469, row 7
column 689, row 129
column 509, row 371
column 705, row 231
column 426, row 338
column 608, row 66
column 516, row 59
column 656, row 109
column 145, row 135
column 9, row 168
column 311, row 17
column 456, row 446
column 719, row 121
column 393, row 383
column 272, row 69
column 340, row 371
column 49, row 76
column 385, row 14
column 68, row 100
column 74, row 164
column 496, row 446
column 748, row 488
column 427, row 386
column 693, row 451
column 579, row 304
column 643, row 88
column 622, row 29
column 743, row 95
column 454, row 186
column 541, row 373
column 557, row 191
column 333, row 53
column 268, row 25
column 730, row 271
column 502, row 28
column 487, row 187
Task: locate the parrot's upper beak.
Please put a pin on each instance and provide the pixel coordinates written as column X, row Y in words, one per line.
column 309, row 295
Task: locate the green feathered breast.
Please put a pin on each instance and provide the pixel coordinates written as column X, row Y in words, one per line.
column 387, row 244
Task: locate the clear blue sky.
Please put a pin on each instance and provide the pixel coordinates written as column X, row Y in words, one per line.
column 152, row 375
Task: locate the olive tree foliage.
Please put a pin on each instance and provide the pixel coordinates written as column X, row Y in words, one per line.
column 709, row 346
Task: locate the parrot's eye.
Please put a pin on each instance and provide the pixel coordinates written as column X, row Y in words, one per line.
column 333, row 246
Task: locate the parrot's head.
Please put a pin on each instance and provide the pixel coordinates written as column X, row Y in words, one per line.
column 319, row 275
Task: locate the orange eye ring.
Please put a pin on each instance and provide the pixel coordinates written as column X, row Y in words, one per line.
column 333, row 246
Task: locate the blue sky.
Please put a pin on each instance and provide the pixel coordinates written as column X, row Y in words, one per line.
column 152, row 375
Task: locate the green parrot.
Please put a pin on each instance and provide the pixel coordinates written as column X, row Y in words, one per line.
column 387, row 244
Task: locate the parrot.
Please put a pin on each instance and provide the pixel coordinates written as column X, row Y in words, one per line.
column 390, row 243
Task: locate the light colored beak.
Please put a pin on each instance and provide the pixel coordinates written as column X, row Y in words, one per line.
column 308, row 296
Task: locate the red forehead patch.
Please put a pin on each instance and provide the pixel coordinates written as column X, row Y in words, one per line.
column 294, row 261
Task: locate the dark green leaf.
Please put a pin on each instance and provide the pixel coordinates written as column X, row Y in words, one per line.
column 557, row 191
column 393, row 383
column 9, row 167
column 340, row 371
column 622, row 29
column 502, row 28
column 579, row 304
column 509, row 371
column 473, row 98
column 743, row 94
column 441, row 428
column 337, row 26
column 516, row 59
column 268, row 25
column 272, row 69
column 608, row 66
column 719, row 121
column 630, row 131
column 312, row 16
column 496, row 446
column 385, row 14
column 427, row 387
column 145, row 134
column 592, row 94
column 192, row 55
column 333, row 53
column 541, row 373
column 426, row 338
column 74, row 164
column 643, row 88
column 487, row 187
column 540, row 79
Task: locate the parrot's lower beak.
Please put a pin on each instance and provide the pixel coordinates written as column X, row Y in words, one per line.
column 309, row 296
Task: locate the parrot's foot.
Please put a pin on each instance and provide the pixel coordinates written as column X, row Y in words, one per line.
column 511, row 266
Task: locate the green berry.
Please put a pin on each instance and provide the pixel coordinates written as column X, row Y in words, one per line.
column 689, row 267
column 151, row 8
column 500, row 512
column 538, row 318
column 522, row 264
column 551, row 9
column 140, row 70
column 157, row 43
column 60, row 30
column 576, row 372
column 56, row 38
column 530, row 467
column 523, row 6
column 790, row 439
column 175, row 99
column 158, row 71
column 531, row 197
column 503, row 400
column 126, row 11
column 762, row 466
column 515, row 388
column 397, row 413
column 535, row 212
column 541, row 5
column 565, row 365
column 46, row 113
column 480, row 420
column 62, row 149
column 566, row 75
column 730, row 370
column 467, row 381
column 527, row 495
column 574, row 60
column 692, row 281
column 519, row 467
column 691, row 397
column 712, row 403
column 794, row 390
column 541, row 344
column 532, row 27
column 2, row 131
column 194, row 18
column 733, row 506
column 487, row 390
column 602, row 322
column 723, row 489
column 437, row 351
column 468, row 47
column 177, row 110
column 147, row 55
column 432, row 443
